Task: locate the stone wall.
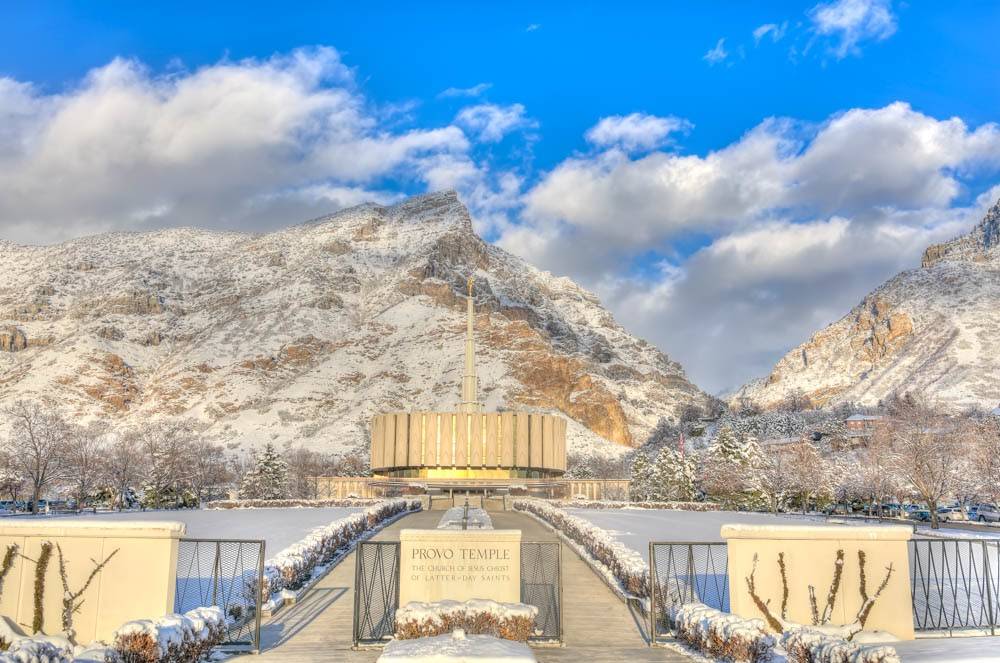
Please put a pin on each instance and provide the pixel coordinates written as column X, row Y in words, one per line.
column 137, row 582
column 822, row 557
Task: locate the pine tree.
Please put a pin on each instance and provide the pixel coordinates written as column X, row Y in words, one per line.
column 267, row 478
column 726, row 446
column 673, row 476
column 641, row 476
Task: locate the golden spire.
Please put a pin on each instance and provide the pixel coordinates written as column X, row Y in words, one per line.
column 469, row 379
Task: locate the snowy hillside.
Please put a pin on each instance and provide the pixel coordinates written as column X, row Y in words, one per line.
column 933, row 330
column 302, row 335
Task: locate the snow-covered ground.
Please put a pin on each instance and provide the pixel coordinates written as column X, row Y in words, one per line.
column 637, row 527
column 954, row 650
column 278, row 527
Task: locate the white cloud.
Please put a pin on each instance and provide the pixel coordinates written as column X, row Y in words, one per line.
column 532, row 27
column 892, row 156
column 491, row 122
column 736, row 306
column 235, row 143
column 636, row 131
column 716, row 54
column 851, row 22
column 474, row 91
column 776, row 31
column 783, row 213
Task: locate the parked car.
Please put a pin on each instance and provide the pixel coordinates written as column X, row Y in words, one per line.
column 946, row 513
column 987, row 513
column 922, row 515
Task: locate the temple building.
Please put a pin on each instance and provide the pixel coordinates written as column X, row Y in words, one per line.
column 466, row 449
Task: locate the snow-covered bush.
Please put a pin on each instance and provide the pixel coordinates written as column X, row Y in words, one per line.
column 721, row 635
column 288, row 504
column 293, row 567
column 186, row 638
column 37, row 650
column 610, row 504
column 626, row 565
column 806, row 645
column 509, row 621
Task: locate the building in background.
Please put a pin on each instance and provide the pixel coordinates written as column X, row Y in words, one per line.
column 468, row 450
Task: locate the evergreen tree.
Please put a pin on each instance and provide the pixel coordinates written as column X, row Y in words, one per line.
column 641, row 476
column 673, row 476
column 267, row 478
column 726, row 446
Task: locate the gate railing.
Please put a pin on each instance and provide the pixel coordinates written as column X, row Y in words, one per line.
column 227, row 573
column 682, row 572
column 955, row 584
column 541, row 586
column 376, row 590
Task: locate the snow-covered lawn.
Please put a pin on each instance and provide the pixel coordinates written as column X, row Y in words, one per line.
column 278, row 527
column 637, row 527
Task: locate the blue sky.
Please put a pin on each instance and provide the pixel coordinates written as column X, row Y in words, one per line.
column 712, row 191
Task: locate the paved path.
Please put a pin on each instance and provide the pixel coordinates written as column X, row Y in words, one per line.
column 598, row 626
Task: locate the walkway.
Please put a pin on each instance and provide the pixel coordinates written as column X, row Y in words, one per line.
column 598, row 626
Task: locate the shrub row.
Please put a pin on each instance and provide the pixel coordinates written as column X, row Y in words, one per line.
column 293, row 567
column 626, row 565
column 723, row 636
column 286, row 504
column 674, row 506
column 509, row 621
column 805, row 645
column 186, row 638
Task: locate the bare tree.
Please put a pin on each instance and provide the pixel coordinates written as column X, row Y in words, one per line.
column 122, row 465
column 929, row 452
column 986, row 457
column 209, row 471
column 875, row 474
column 11, row 480
column 303, row 466
column 168, row 449
column 84, row 460
column 807, row 472
column 36, row 446
column 773, row 479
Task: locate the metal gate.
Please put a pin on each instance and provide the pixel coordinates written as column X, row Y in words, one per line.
column 955, row 584
column 681, row 573
column 376, row 591
column 224, row 573
column 541, row 586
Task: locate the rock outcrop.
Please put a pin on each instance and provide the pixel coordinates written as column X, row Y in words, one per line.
column 12, row 339
column 933, row 330
column 302, row 335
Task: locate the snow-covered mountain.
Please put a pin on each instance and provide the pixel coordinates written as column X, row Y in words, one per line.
column 302, row 335
column 933, row 330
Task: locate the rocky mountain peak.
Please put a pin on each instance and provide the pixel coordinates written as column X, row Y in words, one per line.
column 976, row 246
column 301, row 335
column 934, row 330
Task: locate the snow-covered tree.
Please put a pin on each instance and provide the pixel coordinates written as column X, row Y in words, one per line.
column 84, row 459
column 267, row 478
column 726, row 446
column 773, row 481
column 641, row 478
column 809, row 473
column 35, row 447
column 673, row 476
